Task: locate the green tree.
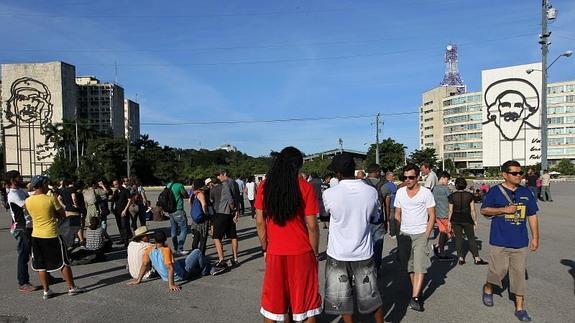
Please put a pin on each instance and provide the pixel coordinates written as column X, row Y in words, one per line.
column 565, row 167
column 317, row 166
column 391, row 154
column 449, row 166
column 420, row 156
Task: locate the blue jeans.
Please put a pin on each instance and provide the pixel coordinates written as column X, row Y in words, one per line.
column 178, row 220
column 23, row 247
column 196, row 264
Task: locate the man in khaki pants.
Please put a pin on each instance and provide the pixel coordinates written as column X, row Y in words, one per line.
column 510, row 206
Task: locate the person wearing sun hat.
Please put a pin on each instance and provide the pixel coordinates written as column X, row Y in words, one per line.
column 136, row 248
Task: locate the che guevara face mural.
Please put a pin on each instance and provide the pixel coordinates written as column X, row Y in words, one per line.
column 30, row 107
column 511, row 103
column 29, row 102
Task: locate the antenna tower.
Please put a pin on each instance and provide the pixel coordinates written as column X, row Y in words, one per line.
column 452, row 76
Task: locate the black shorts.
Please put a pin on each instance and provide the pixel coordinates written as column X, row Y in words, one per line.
column 224, row 225
column 48, row 254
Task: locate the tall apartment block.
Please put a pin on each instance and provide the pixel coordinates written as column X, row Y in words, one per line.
column 102, row 104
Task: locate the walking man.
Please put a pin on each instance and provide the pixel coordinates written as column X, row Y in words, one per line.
column 441, row 196
column 531, row 180
column 48, row 250
column 225, row 219
column 546, row 187
column 415, row 215
column 430, row 176
column 121, row 200
column 510, row 207
column 241, row 187
column 392, row 188
column 178, row 219
column 21, row 228
column 377, row 226
column 350, row 273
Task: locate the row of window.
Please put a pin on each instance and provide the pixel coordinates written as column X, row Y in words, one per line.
column 561, row 120
column 561, row 141
column 463, row 127
column 464, row 154
column 462, row 99
column 560, row 151
column 462, row 118
column 559, row 110
column 463, row 146
column 560, row 99
column 561, row 88
column 560, row 131
column 463, row 136
column 462, row 109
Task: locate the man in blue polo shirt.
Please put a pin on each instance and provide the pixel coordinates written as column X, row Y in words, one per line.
column 510, row 206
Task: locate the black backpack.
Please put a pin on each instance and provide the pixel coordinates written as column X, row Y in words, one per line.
column 167, row 200
column 380, row 196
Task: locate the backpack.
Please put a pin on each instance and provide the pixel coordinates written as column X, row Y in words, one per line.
column 167, row 200
column 380, row 197
column 197, row 212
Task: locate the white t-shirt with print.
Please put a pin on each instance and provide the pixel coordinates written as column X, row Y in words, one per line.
column 351, row 204
column 414, row 214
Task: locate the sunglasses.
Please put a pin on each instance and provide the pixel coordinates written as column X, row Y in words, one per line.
column 515, row 173
column 410, row 177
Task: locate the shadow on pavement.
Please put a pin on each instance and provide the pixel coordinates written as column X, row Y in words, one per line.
column 571, row 264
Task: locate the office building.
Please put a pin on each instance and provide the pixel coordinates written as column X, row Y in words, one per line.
column 102, row 104
column 512, row 113
column 34, row 96
column 131, row 120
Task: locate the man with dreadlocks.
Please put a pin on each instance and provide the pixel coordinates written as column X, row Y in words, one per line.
column 286, row 210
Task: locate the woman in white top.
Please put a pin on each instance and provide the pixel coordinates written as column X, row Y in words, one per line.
column 250, row 191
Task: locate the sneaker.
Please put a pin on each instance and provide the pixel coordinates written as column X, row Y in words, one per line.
column 76, row 290
column 221, row 264
column 47, row 294
column 184, row 252
column 26, row 288
column 522, row 316
column 415, row 304
column 234, row 262
column 217, row 270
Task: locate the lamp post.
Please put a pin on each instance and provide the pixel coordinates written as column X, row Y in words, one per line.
column 568, row 53
column 128, row 150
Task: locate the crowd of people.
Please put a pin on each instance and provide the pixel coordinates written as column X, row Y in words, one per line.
column 361, row 208
column 61, row 225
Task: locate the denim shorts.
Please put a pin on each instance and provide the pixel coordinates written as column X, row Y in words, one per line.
column 349, row 280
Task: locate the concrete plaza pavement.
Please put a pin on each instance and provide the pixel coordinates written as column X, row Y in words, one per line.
column 452, row 293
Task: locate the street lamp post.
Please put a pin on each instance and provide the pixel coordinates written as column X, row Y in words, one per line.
column 128, row 150
column 568, row 53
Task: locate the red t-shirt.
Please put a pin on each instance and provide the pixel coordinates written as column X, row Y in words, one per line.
column 292, row 238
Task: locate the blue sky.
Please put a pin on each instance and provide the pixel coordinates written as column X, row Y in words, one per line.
column 261, row 60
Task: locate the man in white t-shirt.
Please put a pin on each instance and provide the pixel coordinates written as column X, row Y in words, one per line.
column 350, row 270
column 136, row 249
column 415, row 215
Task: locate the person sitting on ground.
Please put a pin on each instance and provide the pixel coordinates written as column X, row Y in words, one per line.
column 97, row 244
column 140, row 242
column 161, row 258
column 97, row 240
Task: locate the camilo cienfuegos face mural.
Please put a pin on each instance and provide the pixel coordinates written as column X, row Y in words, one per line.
column 511, row 103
